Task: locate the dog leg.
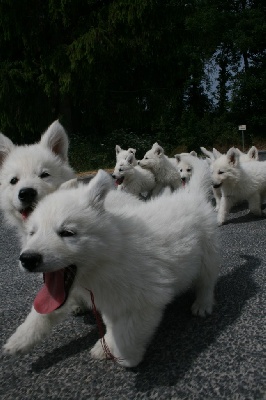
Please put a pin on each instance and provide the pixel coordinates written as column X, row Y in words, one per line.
column 32, row 331
column 132, row 333
column 98, row 352
column 206, row 281
column 255, row 205
column 128, row 337
column 225, row 205
column 217, row 195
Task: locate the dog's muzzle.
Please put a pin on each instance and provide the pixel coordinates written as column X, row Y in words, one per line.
column 27, row 196
column 30, row 261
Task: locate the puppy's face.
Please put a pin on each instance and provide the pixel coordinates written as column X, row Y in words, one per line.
column 185, row 171
column 149, row 160
column 53, row 246
column 28, row 174
column 223, row 169
column 68, row 239
column 68, row 227
column 122, row 169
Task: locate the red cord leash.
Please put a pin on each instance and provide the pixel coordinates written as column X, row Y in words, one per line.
column 105, row 347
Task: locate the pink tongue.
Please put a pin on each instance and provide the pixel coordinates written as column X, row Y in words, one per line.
column 25, row 214
column 52, row 295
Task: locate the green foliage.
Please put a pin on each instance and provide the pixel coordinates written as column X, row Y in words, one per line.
column 131, row 72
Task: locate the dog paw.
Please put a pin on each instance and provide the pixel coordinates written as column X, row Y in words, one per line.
column 97, row 351
column 16, row 345
column 201, row 310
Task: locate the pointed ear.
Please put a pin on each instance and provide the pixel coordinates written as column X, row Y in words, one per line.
column 178, row 158
column 55, row 138
column 193, row 153
column 158, row 149
column 216, row 153
column 253, row 153
column 207, row 153
column 130, row 150
column 233, row 156
column 71, row 183
column 130, row 158
column 6, row 146
column 98, row 188
column 117, row 149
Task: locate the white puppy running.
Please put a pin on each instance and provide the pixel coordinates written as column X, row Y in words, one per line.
column 165, row 172
column 134, row 180
column 134, row 260
column 251, row 155
column 238, row 182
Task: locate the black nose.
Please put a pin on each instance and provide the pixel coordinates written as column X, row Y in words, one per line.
column 113, row 176
column 30, row 261
column 183, row 179
column 27, row 195
column 138, row 162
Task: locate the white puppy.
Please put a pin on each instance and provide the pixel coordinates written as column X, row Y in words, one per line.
column 166, row 174
column 28, row 173
column 184, row 166
column 238, row 182
column 251, row 155
column 122, row 154
column 134, row 180
column 134, row 260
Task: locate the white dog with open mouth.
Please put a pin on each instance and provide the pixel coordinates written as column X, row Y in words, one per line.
column 30, row 172
column 134, row 259
column 133, row 179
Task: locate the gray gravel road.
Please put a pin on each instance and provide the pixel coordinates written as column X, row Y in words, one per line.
column 220, row 357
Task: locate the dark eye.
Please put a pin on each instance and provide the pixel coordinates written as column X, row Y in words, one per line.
column 220, row 172
column 188, row 170
column 181, row 170
column 120, row 170
column 44, row 175
column 14, row 181
column 146, row 158
column 66, row 233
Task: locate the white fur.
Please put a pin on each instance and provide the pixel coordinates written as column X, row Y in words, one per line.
column 134, row 258
column 166, row 174
column 184, row 167
column 136, row 180
column 251, row 155
column 238, row 181
column 28, row 164
column 122, row 154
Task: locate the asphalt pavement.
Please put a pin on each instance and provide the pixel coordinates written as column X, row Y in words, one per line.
column 219, row 357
